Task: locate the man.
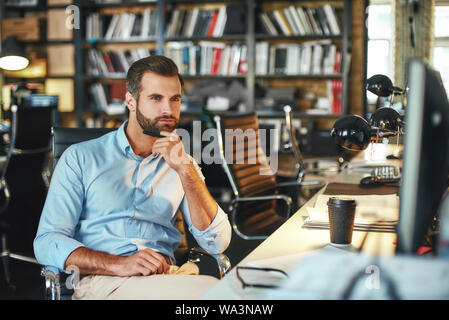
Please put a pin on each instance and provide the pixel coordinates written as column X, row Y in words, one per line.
column 113, row 200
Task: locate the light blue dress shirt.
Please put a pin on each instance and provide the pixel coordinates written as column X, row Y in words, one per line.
column 104, row 197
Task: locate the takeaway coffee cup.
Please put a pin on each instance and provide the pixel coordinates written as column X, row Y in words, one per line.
column 341, row 219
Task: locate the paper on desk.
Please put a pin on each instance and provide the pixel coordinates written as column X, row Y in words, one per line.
column 381, row 210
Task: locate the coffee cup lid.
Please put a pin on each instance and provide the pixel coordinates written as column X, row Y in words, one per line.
column 341, row 201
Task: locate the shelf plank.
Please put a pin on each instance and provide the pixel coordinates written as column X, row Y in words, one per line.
column 104, row 76
column 47, row 42
column 301, row 76
column 214, row 76
column 225, row 37
column 296, row 114
column 267, row 114
column 119, row 4
column 123, row 76
column 305, row 37
column 202, row 1
column 38, row 79
column 118, row 40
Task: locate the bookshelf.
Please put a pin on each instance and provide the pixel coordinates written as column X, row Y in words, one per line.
column 170, row 35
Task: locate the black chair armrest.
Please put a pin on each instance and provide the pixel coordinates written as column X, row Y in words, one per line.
column 288, row 200
column 223, row 262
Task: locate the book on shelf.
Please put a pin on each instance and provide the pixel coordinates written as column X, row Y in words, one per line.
column 303, row 17
column 208, row 58
column 300, row 21
column 282, row 22
column 122, row 26
column 267, row 24
column 315, row 26
column 336, row 96
column 236, row 19
column 296, row 20
column 107, row 98
column 262, row 54
column 291, row 22
column 313, row 57
column 22, row 3
column 198, row 22
column 112, row 63
column 119, row 1
column 280, row 58
column 332, row 19
column 322, row 18
column 243, row 62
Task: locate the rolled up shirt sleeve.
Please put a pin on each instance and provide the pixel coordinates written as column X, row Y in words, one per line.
column 216, row 237
column 54, row 239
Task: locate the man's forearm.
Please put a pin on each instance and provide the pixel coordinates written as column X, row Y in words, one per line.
column 89, row 261
column 202, row 206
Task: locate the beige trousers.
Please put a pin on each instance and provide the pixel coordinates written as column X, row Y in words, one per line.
column 182, row 283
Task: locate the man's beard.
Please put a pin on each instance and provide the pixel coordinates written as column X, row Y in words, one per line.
column 152, row 126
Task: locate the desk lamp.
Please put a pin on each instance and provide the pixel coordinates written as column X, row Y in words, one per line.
column 12, row 56
column 382, row 86
column 354, row 133
column 385, row 117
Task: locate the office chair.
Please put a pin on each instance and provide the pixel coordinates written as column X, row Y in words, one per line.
column 55, row 282
column 23, row 184
column 257, row 200
column 300, row 166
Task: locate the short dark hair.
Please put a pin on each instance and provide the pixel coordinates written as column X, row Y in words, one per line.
column 158, row 64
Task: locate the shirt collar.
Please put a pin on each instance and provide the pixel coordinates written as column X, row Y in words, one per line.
column 122, row 140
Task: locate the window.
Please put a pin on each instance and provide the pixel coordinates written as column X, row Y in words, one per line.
column 440, row 57
column 380, row 41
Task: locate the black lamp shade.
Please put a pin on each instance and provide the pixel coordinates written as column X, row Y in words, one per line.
column 380, row 85
column 352, row 133
column 12, row 56
column 386, row 118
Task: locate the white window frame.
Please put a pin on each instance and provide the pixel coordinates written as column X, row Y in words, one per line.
column 389, row 39
column 440, row 41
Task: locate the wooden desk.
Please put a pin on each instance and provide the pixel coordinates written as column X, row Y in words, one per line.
column 291, row 238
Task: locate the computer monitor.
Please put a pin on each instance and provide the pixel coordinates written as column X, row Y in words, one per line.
column 425, row 159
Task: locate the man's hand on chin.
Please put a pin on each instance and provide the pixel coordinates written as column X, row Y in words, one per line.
column 172, row 150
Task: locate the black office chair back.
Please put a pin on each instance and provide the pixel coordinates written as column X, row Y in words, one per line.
column 31, row 127
column 24, row 172
column 65, row 137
